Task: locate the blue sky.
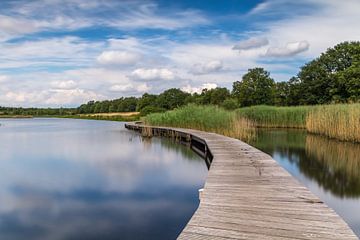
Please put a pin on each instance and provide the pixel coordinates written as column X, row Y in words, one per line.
column 63, row 53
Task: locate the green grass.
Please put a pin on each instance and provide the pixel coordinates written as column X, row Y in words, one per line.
column 205, row 118
column 340, row 121
column 192, row 116
column 276, row 117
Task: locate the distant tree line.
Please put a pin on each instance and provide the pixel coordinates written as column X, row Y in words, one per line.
column 333, row 77
column 37, row 111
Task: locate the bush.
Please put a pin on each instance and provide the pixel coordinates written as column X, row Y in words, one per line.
column 151, row 109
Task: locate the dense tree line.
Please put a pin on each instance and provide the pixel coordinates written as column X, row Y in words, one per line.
column 37, row 111
column 333, row 77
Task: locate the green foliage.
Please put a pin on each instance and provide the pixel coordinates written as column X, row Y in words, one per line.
column 325, row 79
column 127, row 104
column 151, row 109
column 281, row 94
column 171, row 98
column 146, row 100
column 256, row 88
column 269, row 116
column 230, row 104
column 104, row 117
column 9, row 111
column 208, row 118
column 214, row 96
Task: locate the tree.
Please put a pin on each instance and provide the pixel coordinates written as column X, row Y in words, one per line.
column 281, row 94
column 146, row 100
column 128, row 104
column 323, row 79
column 230, row 104
column 256, row 88
column 349, row 82
column 172, row 98
column 218, row 95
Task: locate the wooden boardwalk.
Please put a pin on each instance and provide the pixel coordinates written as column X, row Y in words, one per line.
column 248, row 195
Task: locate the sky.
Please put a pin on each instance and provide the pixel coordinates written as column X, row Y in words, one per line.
column 61, row 53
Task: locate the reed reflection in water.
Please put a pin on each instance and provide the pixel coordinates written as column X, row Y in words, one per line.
column 329, row 168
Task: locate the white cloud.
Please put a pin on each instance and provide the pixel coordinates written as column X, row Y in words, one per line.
column 209, row 67
column 72, row 96
column 146, row 16
column 143, row 88
column 66, row 51
column 121, row 88
column 188, row 88
column 3, row 78
column 289, row 50
column 9, row 27
column 118, row 58
column 126, row 88
column 330, row 23
column 70, row 84
column 153, row 74
column 21, row 97
column 35, row 16
column 255, row 42
column 59, row 97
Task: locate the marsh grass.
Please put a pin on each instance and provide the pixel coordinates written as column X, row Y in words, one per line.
column 336, row 121
column 205, row 118
column 276, row 117
column 340, row 121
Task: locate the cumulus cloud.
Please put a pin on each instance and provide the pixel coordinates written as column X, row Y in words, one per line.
column 121, row 87
column 143, row 88
column 21, row 97
column 70, row 96
column 188, row 88
column 209, row 67
column 255, row 42
column 289, row 50
column 149, row 74
column 70, row 84
column 57, row 97
column 118, row 58
column 129, row 87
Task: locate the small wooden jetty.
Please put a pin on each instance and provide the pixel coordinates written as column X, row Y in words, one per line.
column 248, row 195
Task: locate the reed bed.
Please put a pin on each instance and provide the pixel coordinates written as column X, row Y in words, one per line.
column 276, row 117
column 205, row 118
column 341, row 121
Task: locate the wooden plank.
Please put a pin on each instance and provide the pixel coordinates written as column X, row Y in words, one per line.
column 248, row 195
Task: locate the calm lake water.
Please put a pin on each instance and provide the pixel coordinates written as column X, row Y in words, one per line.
column 329, row 168
column 81, row 179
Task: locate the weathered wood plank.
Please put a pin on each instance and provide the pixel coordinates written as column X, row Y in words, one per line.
column 248, row 195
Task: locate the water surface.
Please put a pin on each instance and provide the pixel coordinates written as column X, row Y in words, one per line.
column 329, row 168
column 83, row 179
